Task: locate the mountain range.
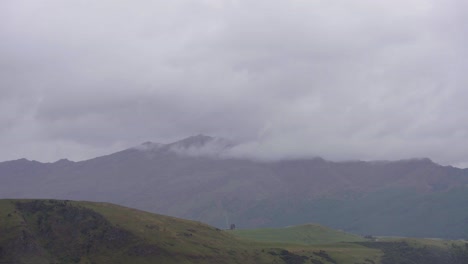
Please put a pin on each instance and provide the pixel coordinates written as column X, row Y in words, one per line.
column 197, row 178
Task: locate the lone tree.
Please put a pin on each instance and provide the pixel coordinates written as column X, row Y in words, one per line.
column 233, row 226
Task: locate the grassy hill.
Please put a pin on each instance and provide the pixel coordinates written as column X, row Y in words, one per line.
column 309, row 234
column 53, row 231
column 50, row 231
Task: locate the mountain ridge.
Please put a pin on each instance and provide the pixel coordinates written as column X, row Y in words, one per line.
column 201, row 140
column 220, row 190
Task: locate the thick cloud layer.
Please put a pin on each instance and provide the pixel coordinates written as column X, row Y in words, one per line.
column 338, row 79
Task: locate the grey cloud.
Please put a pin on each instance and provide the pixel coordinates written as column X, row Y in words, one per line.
column 338, row 79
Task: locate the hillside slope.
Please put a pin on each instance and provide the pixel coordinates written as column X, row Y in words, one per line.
column 53, row 231
column 309, row 234
column 50, row 231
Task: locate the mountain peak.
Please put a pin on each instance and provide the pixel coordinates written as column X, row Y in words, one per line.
column 63, row 161
column 418, row 161
column 148, row 145
column 193, row 141
column 199, row 145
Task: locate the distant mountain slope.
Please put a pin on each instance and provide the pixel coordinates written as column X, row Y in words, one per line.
column 194, row 179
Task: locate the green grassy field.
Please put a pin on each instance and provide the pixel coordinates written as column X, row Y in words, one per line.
column 309, row 234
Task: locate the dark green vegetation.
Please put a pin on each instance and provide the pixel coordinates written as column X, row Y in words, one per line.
column 421, row 253
column 52, row 231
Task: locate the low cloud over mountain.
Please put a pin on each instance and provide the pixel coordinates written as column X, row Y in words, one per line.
column 346, row 81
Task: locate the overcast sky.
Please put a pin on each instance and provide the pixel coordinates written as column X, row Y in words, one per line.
column 294, row 78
